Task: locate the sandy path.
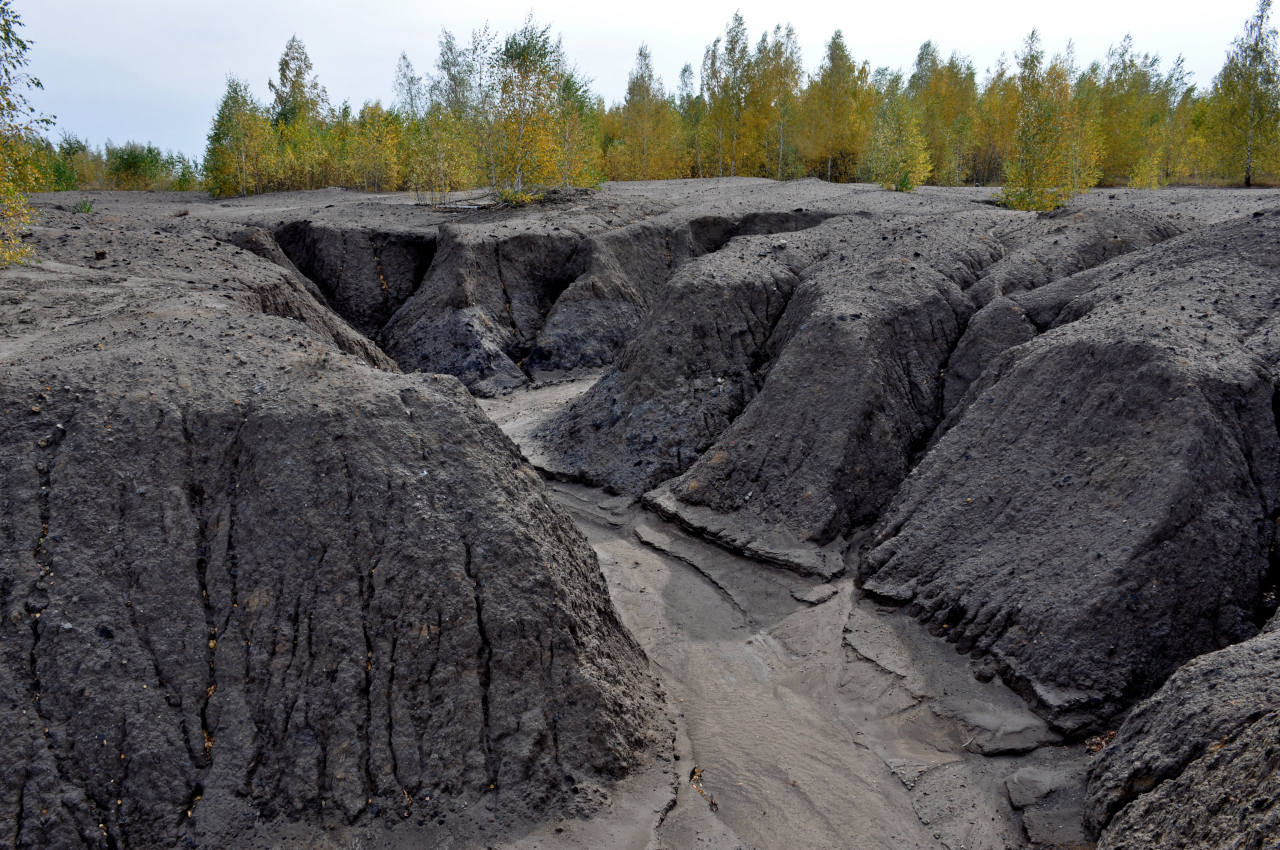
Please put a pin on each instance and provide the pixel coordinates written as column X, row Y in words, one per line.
column 835, row 724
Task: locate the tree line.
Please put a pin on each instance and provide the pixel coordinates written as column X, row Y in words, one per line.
column 505, row 112
column 512, row 113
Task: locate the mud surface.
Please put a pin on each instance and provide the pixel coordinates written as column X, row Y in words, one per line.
column 812, row 716
column 776, row 417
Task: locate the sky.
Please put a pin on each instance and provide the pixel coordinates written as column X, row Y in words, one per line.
column 154, row 70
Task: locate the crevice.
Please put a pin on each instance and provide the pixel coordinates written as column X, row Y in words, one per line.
column 1268, row 601
column 199, row 507
column 193, row 799
column 43, row 558
column 711, row 233
column 518, row 351
column 363, row 277
column 22, row 803
column 371, row 784
column 438, row 633
column 484, row 661
column 555, row 717
column 666, row 810
column 390, row 697
column 367, row 591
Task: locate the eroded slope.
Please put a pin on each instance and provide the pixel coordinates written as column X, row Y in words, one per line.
column 1100, row 509
column 1096, row 445
column 1198, row 764
column 249, row 580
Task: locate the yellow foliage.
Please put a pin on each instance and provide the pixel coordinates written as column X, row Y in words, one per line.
column 1055, row 149
column 15, row 218
column 837, row 111
column 646, row 130
column 946, row 96
column 898, row 158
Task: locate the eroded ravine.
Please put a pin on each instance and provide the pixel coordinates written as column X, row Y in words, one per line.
column 816, row 717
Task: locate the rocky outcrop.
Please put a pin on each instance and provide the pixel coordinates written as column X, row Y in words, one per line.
column 248, row 580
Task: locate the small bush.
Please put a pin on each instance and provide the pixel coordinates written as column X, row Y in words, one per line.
column 517, row 199
column 134, row 166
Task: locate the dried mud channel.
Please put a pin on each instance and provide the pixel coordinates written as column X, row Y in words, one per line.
column 807, row 715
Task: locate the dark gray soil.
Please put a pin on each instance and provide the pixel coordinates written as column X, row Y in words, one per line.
column 270, row 574
column 1198, row 764
column 247, row 579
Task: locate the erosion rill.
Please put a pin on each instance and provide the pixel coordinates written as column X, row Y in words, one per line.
column 270, row 574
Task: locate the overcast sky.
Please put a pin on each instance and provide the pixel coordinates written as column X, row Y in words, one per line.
column 154, row 70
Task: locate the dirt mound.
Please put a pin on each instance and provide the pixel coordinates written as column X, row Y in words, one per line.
column 1197, row 764
column 249, row 580
column 783, row 387
column 1101, row 506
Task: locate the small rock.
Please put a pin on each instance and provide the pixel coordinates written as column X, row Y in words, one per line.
column 1032, row 784
column 815, row 595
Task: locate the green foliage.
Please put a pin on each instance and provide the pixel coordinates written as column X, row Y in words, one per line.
column 836, row 113
column 299, row 97
column 134, row 166
column 19, row 124
column 898, row 158
column 509, row 111
column 945, row 94
column 646, row 144
column 516, row 198
column 1055, row 152
column 236, row 160
column 1138, row 106
column 84, row 205
column 1245, row 100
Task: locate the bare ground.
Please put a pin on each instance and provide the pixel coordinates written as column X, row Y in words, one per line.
column 816, row 717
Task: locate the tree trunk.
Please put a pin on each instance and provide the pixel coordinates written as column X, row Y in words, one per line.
column 779, row 150
column 1248, row 143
